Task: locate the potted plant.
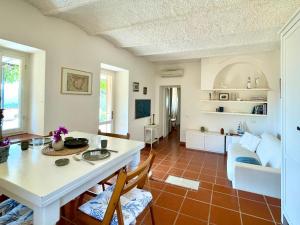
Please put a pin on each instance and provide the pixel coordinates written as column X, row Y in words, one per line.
column 4, row 143
column 58, row 142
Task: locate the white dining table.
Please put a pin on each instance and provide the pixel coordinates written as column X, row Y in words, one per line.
column 34, row 180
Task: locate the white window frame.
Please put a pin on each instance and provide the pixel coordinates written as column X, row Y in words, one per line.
column 112, row 75
column 22, row 95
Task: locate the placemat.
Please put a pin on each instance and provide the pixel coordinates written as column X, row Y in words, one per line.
column 66, row 151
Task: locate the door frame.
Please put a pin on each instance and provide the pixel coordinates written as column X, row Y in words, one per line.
column 112, row 99
column 22, row 95
column 162, row 111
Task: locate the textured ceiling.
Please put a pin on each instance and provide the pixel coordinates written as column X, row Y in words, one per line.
column 178, row 29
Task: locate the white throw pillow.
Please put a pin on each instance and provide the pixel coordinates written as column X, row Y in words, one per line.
column 269, row 151
column 250, row 141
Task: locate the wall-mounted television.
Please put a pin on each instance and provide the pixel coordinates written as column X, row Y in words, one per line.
column 142, row 108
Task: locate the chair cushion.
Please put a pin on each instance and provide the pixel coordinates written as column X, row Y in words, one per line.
column 250, row 141
column 269, row 151
column 26, row 219
column 248, row 160
column 133, row 203
column 15, row 214
column 7, row 205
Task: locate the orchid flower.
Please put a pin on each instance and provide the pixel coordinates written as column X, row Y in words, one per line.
column 57, row 133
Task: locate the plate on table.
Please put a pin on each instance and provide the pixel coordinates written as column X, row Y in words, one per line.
column 95, row 155
column 62, row 162
column 76, row 142
column 40, row 141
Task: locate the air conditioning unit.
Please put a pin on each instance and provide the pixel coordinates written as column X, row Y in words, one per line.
column 172, row 73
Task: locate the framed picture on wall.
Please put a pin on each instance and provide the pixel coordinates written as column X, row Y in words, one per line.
column 145, row 90
column 136, row 86
column 76, row 82
column 224, row 96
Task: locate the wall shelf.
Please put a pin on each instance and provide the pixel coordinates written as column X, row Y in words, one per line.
column 237, row 89
column 235, row 113
column 230, row 101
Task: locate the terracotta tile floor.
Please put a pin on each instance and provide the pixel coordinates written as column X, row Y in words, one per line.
column 215, row 203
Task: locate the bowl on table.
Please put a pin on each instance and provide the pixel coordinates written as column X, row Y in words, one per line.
column 76, row 142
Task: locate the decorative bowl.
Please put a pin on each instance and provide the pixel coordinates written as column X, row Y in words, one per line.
column 76, row 142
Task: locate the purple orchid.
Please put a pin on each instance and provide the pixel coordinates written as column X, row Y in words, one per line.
column 57, row 134
column 4, row 142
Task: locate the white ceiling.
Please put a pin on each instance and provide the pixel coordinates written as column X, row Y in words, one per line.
column 178, row 29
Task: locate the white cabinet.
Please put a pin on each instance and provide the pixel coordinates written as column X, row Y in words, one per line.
column 194, row 140
column 207, row 141
column 151, row 134
column 290, row 54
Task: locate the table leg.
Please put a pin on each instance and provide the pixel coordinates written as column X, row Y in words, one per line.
column 135, row 161
column 151, row 137
column 48, row 215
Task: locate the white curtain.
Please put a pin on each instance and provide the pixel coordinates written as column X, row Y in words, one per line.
column 174, row 104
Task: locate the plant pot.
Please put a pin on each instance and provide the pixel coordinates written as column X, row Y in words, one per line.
column 58, row 145
column 4, row 152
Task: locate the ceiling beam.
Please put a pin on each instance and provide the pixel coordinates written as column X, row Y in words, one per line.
column 73, row 5
column 204, row 53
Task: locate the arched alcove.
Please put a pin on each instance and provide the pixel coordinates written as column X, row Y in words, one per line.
column 235, row 76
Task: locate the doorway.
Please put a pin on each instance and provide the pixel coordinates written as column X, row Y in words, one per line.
column 114, row 99
column 171, row 108
column 12, row 79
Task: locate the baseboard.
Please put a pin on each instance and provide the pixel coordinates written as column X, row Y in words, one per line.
column 182, row 143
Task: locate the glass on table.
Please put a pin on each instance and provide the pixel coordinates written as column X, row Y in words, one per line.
column 38, row 142
column 94, row 141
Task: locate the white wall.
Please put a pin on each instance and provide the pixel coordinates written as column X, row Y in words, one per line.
column 67, row 45
column 36, row 109
column 191, row 93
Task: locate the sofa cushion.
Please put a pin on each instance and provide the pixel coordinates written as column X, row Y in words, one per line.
column 237, row 151
column 250, row 141
column 269, row 151
column 248, row 160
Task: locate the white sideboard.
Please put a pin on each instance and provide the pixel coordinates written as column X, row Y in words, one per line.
column 206, row 141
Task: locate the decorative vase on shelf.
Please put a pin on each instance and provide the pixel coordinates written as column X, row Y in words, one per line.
column 257, row 79
column 58, row 145
column 249, row 83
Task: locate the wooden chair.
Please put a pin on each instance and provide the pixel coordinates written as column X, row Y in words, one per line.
column 128, row 184
column 106, row 180
column 127, row 136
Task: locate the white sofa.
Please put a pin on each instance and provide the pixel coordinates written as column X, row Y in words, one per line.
column 261, row 179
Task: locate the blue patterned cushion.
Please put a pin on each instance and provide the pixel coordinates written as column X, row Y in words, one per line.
column 133, row 203
column 14, row 213
column 26, row 219
column 7, row 205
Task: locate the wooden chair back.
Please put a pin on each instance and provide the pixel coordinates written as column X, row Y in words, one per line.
column 125, row 183
column 127, row 136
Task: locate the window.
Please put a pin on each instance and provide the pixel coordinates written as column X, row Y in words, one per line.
column 11, row 71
